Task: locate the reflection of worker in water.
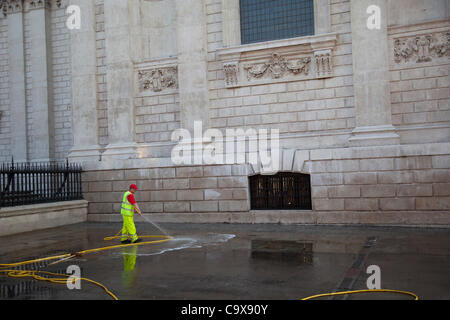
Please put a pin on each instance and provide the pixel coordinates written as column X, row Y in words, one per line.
column 129, row 207
column 129, row 262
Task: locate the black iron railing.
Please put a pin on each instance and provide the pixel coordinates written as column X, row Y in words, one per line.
column 283, row 191
column 32, row 183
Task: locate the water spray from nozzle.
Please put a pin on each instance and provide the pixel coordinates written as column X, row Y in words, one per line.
column 156, row 225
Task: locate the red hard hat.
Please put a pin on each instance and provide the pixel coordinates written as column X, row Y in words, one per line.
column 133, row 186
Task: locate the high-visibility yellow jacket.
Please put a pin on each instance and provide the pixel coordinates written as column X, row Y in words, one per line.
column 127, row 207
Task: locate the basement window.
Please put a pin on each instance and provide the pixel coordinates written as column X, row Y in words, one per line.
column 283, row 191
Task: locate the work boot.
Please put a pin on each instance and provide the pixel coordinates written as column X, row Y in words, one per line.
column 137, row 241
column 126, row 242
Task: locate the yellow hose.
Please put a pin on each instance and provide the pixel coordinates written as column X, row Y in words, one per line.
column 361, row 291
column 62, row 278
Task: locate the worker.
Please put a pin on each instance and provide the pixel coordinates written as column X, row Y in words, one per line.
column 129, row 207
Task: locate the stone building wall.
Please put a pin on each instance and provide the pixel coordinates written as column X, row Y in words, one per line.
column 389, row 185
column 304, row 107
column 364, row 112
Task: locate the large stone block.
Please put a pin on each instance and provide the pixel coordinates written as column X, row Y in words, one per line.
column 217, row 171
column 151, row 185
column 104, row 186
column 397, row 204
column 204, row 206
column 189, row 172
column 441, row 162
column 376, row 164
column 190, row 195
column 139, row 174
column 433, row 203
column 360, row 178
column 344, row 191
column 239, row 170
column 163, row 195
column 319, row 192
column 335, row 166
column 435, row 175
column 414, row 190
column 175, row 184
column 100, row 208
column 233, row 205
column 395, row 177
column 176, row 206
column 240, row 194
column 151, row 207
column 203, row 183
column 359, row 204
column 218, row 194
column 328, row 204
column 233, row 182
column 378, row 191
column 410, row 163
column 326, row 179
column 123, row 185
column 441, row 189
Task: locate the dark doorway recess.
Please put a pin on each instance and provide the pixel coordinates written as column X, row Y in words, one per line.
column 283, row 191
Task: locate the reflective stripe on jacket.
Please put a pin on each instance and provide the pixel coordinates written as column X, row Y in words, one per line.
column 127, row 208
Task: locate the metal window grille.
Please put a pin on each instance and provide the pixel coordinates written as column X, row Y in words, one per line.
column 32, row 183
column 283, row 191
column 265, row 20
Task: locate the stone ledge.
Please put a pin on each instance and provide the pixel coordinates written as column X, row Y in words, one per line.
column 21, row 219
column 39, row 208
column 440, row 219
column 336, row 153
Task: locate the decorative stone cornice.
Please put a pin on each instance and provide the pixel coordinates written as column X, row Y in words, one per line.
column 295, row 59
column 41, row 4
column 16, row 6
column 11, row 6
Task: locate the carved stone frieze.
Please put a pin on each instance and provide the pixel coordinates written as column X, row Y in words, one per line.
column 277, row 67
column 158, row 79
column 422, row 48
column 285, row 60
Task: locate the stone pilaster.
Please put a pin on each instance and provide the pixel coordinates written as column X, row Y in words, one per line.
column 371, row 77
column 42, row 91
column 192, row 63
column 120, row 80
column 14, row 13
column 231, row 23
column 84, row 86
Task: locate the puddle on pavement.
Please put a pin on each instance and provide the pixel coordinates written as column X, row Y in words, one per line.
column 183, row 242
column 284, row 250
column 24, row 289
